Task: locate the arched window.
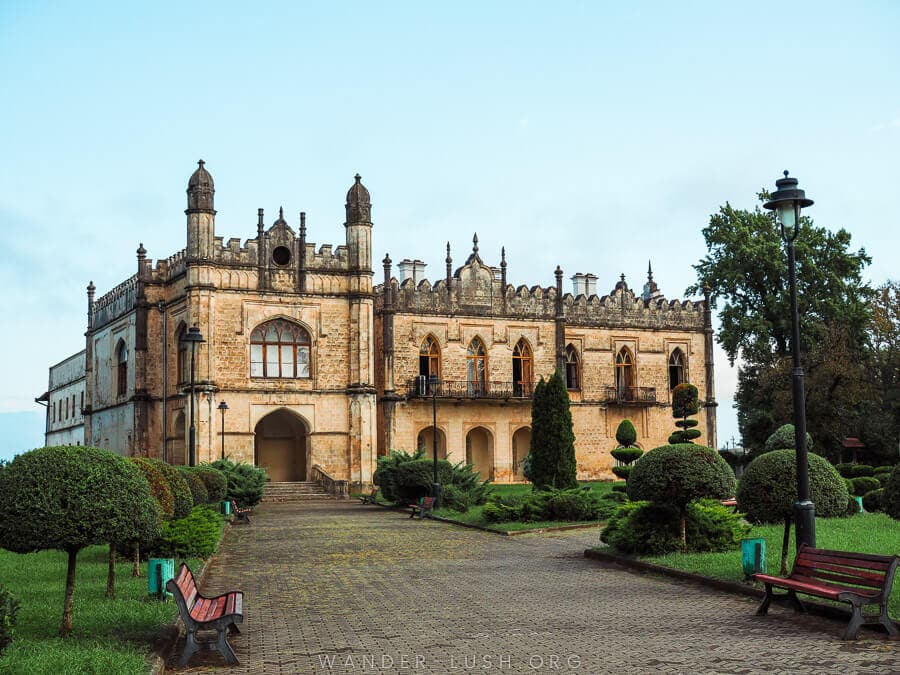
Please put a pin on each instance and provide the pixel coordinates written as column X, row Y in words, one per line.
column 430, row 358
column 476, row 367
column 572, row 379
column 122, row 368
column 523, row 369
column 279, row 348
column 676, row 368
column 183, row 366
column 625, row 374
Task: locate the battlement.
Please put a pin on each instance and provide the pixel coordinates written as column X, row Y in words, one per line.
column 116, row 302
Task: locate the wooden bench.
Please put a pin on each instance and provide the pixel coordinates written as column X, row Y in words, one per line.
column 240, row 515
column 369, row 498
column 858, row 578
column 729, row 502
column 199, row 612
column 425, row 507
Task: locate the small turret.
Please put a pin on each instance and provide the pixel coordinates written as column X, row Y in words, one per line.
column 201, row 191
column 201, row 215
column 359, row 226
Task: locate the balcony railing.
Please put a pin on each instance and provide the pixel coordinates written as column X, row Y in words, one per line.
column 630, row 395
column 420, row 387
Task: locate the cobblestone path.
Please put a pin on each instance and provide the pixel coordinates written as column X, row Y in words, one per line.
column 344, row 588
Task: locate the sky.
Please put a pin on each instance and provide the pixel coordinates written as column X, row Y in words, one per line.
column 591, row 135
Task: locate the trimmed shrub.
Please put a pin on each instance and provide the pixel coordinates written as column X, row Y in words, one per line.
column 622, row 471
column 864, row 484
column 9, row 607
column 552, row 439
column 768, row 488
column 643, row 528
column 627, row 455
column 575, row 504
column 183, row 502
column 890, row 498
column 882, row 478
column 196, row 536
column 843, row 469
column 199, row 493
column 246, row 482
column 626, row 435
column 713, row 527
column 883, row 470
column 853, row 507
column 66, row 498
column 215, row 481
column 872, row 501
column 617, row 496
column 861, row 471
column 619, row 487
column 455, row 498
column 685, row 402
column 784, row 438
column 159, row 486
column 403, row 477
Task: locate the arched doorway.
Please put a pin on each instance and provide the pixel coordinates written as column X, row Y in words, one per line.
column 280, row 445
column 521, row 446
column 177, row 449
column 425, row 441
column 480, row 451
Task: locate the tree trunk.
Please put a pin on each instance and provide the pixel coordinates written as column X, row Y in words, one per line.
column 136, row 568
column 785, row 542
column 684, row 532
column 66, row 626
column 111, row 574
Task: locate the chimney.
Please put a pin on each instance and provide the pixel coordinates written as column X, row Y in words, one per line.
column 578, row 284
column 411, row 269
column 590, row 284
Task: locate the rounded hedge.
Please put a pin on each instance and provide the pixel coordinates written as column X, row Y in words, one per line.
column 159, row 486
column 199, row 493
column 768, row 487
column 873, row 501
column 181, row 491
column 622, row 471
column 864, row 484
column 215, row 481
column 784, row 438
column 626, row 435
column 627, row 455
column 678, row 474
column 890, row 499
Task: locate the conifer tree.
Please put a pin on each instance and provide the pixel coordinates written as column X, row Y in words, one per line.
column 552, row 439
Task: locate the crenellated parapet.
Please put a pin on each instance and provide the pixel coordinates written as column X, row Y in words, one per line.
column 120, row 300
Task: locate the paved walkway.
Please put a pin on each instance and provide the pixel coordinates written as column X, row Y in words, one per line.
column 344, row 588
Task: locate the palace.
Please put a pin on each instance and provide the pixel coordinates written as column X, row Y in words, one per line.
column 322, row 371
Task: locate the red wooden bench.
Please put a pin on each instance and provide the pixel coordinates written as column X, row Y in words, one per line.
column 240, row 515
column 198, row 612
column 369, row 498
column 858, row 578
column 425, row 507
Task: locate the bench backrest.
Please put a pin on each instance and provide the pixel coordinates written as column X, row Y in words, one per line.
column 427, row 503
column 186, row 587
column 845, row 568
column 374, row 491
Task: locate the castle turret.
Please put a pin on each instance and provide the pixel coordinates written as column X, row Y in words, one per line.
column 359, row 227
column 201, row 214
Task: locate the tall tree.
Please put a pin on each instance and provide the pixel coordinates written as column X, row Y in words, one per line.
column 552, row 439
column 881, row 434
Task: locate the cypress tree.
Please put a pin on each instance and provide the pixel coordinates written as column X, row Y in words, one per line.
column 552, row 439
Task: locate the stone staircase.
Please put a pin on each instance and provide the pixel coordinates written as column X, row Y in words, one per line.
column 300, row 491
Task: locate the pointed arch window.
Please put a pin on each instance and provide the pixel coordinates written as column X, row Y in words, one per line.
column 523, row 369
column 625, row 375
column 430, row 358
column 121, row 368
column 676, row 368
column 573, row 381
column 476, row 367
column 279, row 348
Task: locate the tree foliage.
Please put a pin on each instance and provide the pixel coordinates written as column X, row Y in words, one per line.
column 552, row 439
column 182, row 499
column 685, row 402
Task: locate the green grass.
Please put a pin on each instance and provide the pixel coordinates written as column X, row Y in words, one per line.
column 863, row 533
column 109, row 636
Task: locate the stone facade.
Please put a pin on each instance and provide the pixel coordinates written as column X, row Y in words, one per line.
column 322, row 371
column 64, row 399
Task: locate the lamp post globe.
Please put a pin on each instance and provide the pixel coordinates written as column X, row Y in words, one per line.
column 434, row 382
column 786, row 202
column 193, row 337
column 222, row 408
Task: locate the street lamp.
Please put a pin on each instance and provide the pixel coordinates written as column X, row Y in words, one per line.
column 222, row 408
column 433, row 382
column 787, row 201
column 193, row 336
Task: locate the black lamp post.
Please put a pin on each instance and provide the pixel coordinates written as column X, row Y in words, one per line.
column 787, row 201
column 434, row 381
column 193, row 336
column 222, row 408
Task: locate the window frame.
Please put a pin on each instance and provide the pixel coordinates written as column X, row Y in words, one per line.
column 431, row 358
column 300, row 343
column 573, row 365
column 524, row 356
column 625, row 373
column 476, row 379
column 121, row 354
column 677, row 364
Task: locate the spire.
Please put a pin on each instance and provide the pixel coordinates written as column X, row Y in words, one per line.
column 359, row 203
column 475, row 244
column 503, row 256
column 449, row 262
column 649, row 271
column 651, row 288
column 201, row 190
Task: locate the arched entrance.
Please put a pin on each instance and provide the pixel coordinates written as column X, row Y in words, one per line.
column 521, row 446
column 426, row 442
column 280, row 445
column 480, row 451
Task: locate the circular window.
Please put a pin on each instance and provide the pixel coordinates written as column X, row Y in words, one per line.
column 281, row 255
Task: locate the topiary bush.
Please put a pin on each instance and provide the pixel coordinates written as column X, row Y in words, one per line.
column 784, row 438
column 622, row 471
column 626, row 435
column 182, row 500
column 620, row 487
column 196, row 536
column 9, row 607
column 69, row 497
column 199, row 494
column 246, row 482
column 890, row 498
column 627, row 455
column 685, row 402
column 864, row 484
column 159, row 486
column 679, row 474
column 215, row 482
column 873, row 501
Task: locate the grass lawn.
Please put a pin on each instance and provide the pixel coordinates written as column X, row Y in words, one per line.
column 109, row 636
column 863, row 533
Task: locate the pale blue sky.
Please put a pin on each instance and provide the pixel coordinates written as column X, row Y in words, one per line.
column 590, row 135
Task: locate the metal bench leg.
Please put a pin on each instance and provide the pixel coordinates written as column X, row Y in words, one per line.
column 763, row 608
column 856, row 620
column 225, row 648
column 191, row 647
column 413, row 514
column 233, row 629
column 887, row 623
column 795, row 602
